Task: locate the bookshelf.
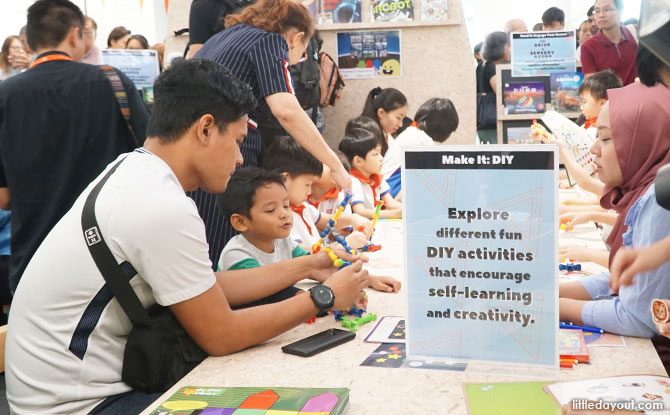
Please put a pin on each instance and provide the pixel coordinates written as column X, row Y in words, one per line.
column 507, row 121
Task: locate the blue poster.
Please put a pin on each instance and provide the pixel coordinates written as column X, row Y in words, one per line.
column 140, row 65
column 481, row 240
column 543, row 53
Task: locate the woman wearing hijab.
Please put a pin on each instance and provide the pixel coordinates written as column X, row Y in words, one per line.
column 258, row 46
column 632, row 145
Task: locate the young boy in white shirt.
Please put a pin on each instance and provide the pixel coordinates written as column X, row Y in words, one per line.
column 368, row 187
column 434, row 122
column 256, row 203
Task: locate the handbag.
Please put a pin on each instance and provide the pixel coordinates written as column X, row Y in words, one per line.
column 486, row 106
column 158, row 352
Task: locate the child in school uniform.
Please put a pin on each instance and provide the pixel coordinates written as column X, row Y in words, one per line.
column 299, row 169
column 256, row 204
column 434, row 122
column 368, row 186
column 325, row 197
column 387, row 107
column 636, row 117
column 593, row 94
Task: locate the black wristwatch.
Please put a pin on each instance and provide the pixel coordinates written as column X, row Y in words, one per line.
column 323, row 298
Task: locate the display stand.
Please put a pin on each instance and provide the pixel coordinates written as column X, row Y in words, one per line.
column 507, row 121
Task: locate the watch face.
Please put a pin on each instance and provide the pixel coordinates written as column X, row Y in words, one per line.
column 324, row 295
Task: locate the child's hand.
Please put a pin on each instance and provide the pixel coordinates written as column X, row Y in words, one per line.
column 564, row 184
column 347, row 285
column 364, row 225
column 539, row 133
column 574, row 253
column 322, row 266
column 357, row 240
column 573, row 219
column 385, row 284
column 362, row 301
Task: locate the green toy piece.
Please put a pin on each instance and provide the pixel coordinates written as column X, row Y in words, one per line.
column 366, row 319
column 349, row 324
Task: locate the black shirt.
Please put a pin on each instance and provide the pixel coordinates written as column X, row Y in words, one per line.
column 487, row 72
column 60, row 126
column 204, row 21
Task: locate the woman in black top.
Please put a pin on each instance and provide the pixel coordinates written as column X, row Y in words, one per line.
column 496, row 50
column 257, row 46
column 206, row 19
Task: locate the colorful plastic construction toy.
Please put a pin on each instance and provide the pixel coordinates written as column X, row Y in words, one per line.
column 330, row 229
column 311, row 320
column 370, row 247
column 348, row 324
column 570, row 267
column 540, row 131
column 351, row 324
column 366, row 319
column 353, row 311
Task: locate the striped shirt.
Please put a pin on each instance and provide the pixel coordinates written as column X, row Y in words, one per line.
column 260, row 59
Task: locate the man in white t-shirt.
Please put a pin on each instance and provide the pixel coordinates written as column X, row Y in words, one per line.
column 434, row 122
column 67, row 333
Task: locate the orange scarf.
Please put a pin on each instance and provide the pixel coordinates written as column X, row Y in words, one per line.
column 590, row 123
column 331, row 194
column 299, row 211
column 373, row 181
column 415, row 125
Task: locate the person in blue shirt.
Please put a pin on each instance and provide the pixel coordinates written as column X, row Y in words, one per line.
column 632, row 145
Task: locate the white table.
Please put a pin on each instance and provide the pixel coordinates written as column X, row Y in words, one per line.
column 394, row 391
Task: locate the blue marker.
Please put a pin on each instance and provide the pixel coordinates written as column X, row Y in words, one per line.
column 582, row 328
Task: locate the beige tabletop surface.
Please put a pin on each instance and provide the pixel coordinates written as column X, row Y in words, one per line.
column 386, row 391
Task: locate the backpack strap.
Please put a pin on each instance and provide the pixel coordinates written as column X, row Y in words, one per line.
column 116, row 275
column 121, row 97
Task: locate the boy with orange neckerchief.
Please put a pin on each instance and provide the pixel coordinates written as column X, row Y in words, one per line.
column 368, row 187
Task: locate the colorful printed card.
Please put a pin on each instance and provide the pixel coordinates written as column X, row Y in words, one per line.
column 388, row 355
column 433, row 10
column 651, row 391
column 578, row 140
column 387, row 330
column 565, row 91
column 524, row 98
column 204, row 400
column 391, row 10
column 339, row 11
column 516, row 398
column 572, row 345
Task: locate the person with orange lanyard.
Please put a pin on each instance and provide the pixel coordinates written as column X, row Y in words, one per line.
column 258, row 46
column 433, row 124
column 60, row 126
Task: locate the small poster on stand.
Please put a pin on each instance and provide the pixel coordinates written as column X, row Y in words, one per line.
column 370, row 54
column 543, row 53
column 339, row 11
column 433, row 10
column 391, row 10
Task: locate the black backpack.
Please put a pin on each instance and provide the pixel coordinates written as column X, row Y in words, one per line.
column 306, row 77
